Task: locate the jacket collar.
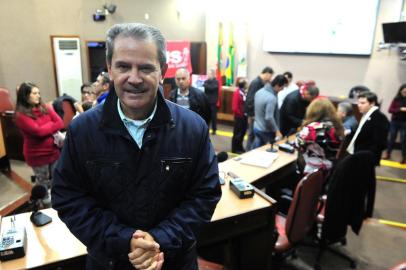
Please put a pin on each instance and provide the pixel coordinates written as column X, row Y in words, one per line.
column 268, row 87
column 111, row 118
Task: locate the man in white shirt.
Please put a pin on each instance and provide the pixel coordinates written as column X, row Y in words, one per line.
column 289, row 88
column 372, row 132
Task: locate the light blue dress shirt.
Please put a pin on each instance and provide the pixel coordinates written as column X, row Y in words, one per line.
column 136, row 128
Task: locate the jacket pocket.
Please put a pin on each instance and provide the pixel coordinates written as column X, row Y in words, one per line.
column 107, row 177
column 176, row 169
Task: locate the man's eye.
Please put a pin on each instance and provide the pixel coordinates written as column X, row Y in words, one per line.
column 122, row 67
column 147, row 69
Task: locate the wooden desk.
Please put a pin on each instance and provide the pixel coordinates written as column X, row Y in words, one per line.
column 47, row 246
column 225, row 112
column 244, row 224
column 244, row 228
column 259, row 176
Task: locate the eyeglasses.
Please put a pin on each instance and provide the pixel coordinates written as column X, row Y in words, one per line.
column 88, row 93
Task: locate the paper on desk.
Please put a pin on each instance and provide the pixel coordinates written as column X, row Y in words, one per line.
column 259, row 158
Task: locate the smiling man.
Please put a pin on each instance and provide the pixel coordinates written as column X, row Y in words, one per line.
column 138, row 176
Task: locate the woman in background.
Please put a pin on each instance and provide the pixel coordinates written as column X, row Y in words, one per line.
column 240, row 119
column 398, row 122
column 320, row 136
column 37, row 122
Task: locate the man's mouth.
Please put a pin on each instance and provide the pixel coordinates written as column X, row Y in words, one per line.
column 135, row 91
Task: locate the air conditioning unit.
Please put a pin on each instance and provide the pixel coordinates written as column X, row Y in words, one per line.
column 68, row 65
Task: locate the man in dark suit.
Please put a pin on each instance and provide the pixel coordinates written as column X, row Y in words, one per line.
column 211, row 89
column 189, row 97
column 372, row 132
column 294, row 106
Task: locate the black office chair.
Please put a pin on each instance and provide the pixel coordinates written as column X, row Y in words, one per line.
column 350, row 200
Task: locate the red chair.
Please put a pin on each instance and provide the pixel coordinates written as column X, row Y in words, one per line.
column 301, row 215
column 6, row 104
column 68, row 112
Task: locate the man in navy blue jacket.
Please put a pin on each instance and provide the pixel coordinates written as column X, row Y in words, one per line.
column 138, row 176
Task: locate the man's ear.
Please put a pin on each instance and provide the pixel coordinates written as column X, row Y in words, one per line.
column 163, row 71
column 109, row 70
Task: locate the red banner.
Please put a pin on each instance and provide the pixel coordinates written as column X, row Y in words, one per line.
column 177, row 56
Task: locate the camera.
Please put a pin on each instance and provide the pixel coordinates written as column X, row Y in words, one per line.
column 99, row 16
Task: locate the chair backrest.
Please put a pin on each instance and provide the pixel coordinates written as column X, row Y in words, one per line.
column 6, row 104
column 343, row 147
column 303, row 209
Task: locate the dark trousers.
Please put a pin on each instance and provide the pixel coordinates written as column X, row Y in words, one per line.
column 262, row 138
column 395, row 127
column 213, row 120
column 240, row 128
column 251, row 136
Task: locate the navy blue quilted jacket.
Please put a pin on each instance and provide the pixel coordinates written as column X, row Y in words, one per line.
column 105, row 187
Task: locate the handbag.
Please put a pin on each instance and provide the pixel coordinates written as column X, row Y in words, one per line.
column 59, row 138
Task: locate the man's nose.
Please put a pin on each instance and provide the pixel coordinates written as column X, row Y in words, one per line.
column 134, row 77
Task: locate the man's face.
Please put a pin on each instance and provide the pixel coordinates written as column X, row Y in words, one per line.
column 340, row 113
column 98, row 85
column 136, row 73
column 364, row 105
column 182, row 79
column 267, row 77
column 307, row 96
column 278, row 88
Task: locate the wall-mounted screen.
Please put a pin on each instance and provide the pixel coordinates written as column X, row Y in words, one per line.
column 320, row 26
column 394, row 32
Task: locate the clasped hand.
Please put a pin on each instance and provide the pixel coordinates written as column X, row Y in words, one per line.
column 145, row 253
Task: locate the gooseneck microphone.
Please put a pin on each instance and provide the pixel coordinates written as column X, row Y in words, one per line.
column 272, row 149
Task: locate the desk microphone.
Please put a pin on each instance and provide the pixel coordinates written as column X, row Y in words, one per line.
column 271, row 149
column 38, row 193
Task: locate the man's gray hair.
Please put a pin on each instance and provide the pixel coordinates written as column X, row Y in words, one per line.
column 345, row 107
column 313, row 91
column 137, row 31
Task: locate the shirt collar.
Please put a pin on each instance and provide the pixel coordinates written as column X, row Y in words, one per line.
column 368, row 114
column 182, row 95
column 138, row 123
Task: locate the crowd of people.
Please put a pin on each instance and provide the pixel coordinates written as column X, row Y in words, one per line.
column 274, row 108
column 269, row 108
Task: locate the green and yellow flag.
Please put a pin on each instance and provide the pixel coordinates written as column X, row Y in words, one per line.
column 230, row 59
